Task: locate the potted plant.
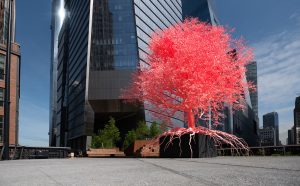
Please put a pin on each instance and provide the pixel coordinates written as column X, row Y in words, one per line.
column 104, row 142
column 138, row 138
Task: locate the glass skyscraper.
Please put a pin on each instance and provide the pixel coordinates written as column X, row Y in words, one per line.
column 56, row 23
column 94, row 52
column 251, row 75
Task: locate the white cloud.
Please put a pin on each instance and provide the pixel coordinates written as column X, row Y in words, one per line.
column 278, row 59
column 295, row 17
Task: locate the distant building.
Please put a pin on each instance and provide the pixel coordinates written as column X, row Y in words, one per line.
column 251, row 76
column 14, row 74
column 267, row 136
column 291, row 137
column 297, row 121
column 271, row 120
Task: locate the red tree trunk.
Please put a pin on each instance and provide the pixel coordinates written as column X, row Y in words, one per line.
column 191, row 119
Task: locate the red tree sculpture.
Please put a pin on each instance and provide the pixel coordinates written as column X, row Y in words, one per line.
column 194, row 68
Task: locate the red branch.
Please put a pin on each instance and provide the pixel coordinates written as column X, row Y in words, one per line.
column 194, row 68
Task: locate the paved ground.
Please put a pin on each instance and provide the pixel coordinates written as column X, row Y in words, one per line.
column 118, row 171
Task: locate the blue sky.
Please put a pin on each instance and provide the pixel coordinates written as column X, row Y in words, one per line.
column 33, row 34
column 271, row 27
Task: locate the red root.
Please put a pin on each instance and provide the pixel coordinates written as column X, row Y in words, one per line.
column 220, row 138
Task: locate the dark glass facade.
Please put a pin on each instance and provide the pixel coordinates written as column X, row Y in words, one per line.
column 291, row 137
column 100, row 44
column 113, row 44
column 55, row 28
column 150, row 17
column 69, row 128
column 251, row 76
column 201, row 9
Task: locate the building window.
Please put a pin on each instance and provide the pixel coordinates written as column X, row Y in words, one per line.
column 2, row 62
column 1, row 97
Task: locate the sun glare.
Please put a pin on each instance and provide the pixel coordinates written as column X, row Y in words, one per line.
column 61, row 12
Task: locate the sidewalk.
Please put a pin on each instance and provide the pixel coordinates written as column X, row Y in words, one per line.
column 127, row 171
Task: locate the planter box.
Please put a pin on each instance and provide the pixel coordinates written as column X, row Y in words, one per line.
column 150, row 150
column 143, row 148
column 109, row 152
column 202, row 147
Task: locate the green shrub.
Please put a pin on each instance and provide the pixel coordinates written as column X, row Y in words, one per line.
column 142, row 131
column 129, row 139
column 154, row 130
column 107, row 137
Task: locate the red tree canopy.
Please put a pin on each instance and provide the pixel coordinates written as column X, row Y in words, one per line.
column 193, row 67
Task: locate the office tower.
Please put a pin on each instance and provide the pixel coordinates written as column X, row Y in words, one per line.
column 297, row 121
column 251, row 76
column 291, row 136
column 57, row 18
column 267, row 136
column 14, row 73
column 271, row 120
column 100, row 44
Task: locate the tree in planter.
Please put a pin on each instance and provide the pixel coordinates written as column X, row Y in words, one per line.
column 154, row 130
column 142, row 132
column 129, row 139
column 107, row 137
column 195, row 68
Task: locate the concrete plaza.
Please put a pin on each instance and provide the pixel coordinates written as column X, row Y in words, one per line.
column 129, row 171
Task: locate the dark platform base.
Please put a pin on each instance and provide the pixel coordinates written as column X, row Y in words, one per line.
column 202, row 147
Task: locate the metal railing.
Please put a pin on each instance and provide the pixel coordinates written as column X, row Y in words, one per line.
column 23, row 152
column 284, row 150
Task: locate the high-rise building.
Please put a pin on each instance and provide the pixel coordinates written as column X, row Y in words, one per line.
column 57, row 18
column 267, row 136
column 251, row 76
column 94, row 52
column 291, row 137
column 14, row 73
column 297, row 121
column 271, row 120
